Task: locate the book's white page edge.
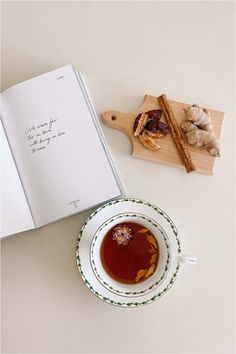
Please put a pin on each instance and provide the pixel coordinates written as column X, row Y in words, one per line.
column 15, row 213
column 98, row 127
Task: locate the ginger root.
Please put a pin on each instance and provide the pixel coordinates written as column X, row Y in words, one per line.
column 201, row 138
column 199, row 131
column 199, row 116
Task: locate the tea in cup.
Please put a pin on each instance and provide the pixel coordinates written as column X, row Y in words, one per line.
column 131, row 254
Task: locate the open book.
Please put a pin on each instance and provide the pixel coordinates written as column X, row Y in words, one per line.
column 55, row 161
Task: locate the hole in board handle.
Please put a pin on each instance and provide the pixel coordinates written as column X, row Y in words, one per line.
column 113, row 117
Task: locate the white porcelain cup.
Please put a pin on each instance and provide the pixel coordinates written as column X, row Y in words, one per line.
column 165, row 257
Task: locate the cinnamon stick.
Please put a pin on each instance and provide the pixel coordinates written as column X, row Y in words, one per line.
column 176, row 134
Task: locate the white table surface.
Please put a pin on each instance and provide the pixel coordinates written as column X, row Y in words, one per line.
column 124, row 50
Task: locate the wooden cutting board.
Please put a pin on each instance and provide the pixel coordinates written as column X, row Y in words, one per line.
column 168, row 153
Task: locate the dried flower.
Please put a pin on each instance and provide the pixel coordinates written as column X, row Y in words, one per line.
column 122, row 234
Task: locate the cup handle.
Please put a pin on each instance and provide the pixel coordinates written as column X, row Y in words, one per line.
column 185, row 259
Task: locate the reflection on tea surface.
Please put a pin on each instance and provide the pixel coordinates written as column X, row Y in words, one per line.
column 129, row 253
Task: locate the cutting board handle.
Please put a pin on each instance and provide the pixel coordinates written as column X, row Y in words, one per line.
column 119, row 120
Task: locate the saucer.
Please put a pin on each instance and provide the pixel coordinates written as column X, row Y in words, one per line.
column 86, row 238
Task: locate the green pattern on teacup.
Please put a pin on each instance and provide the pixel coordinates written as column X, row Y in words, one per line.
column 138, row 201
column 133, row 303
column 155, row 224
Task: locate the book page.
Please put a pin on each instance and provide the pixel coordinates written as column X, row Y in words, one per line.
column 57, row 148
column 15, row 212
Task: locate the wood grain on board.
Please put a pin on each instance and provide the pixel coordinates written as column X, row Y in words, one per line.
column 168, row 153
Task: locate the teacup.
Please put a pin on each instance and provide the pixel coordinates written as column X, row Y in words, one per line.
column 166, row 257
